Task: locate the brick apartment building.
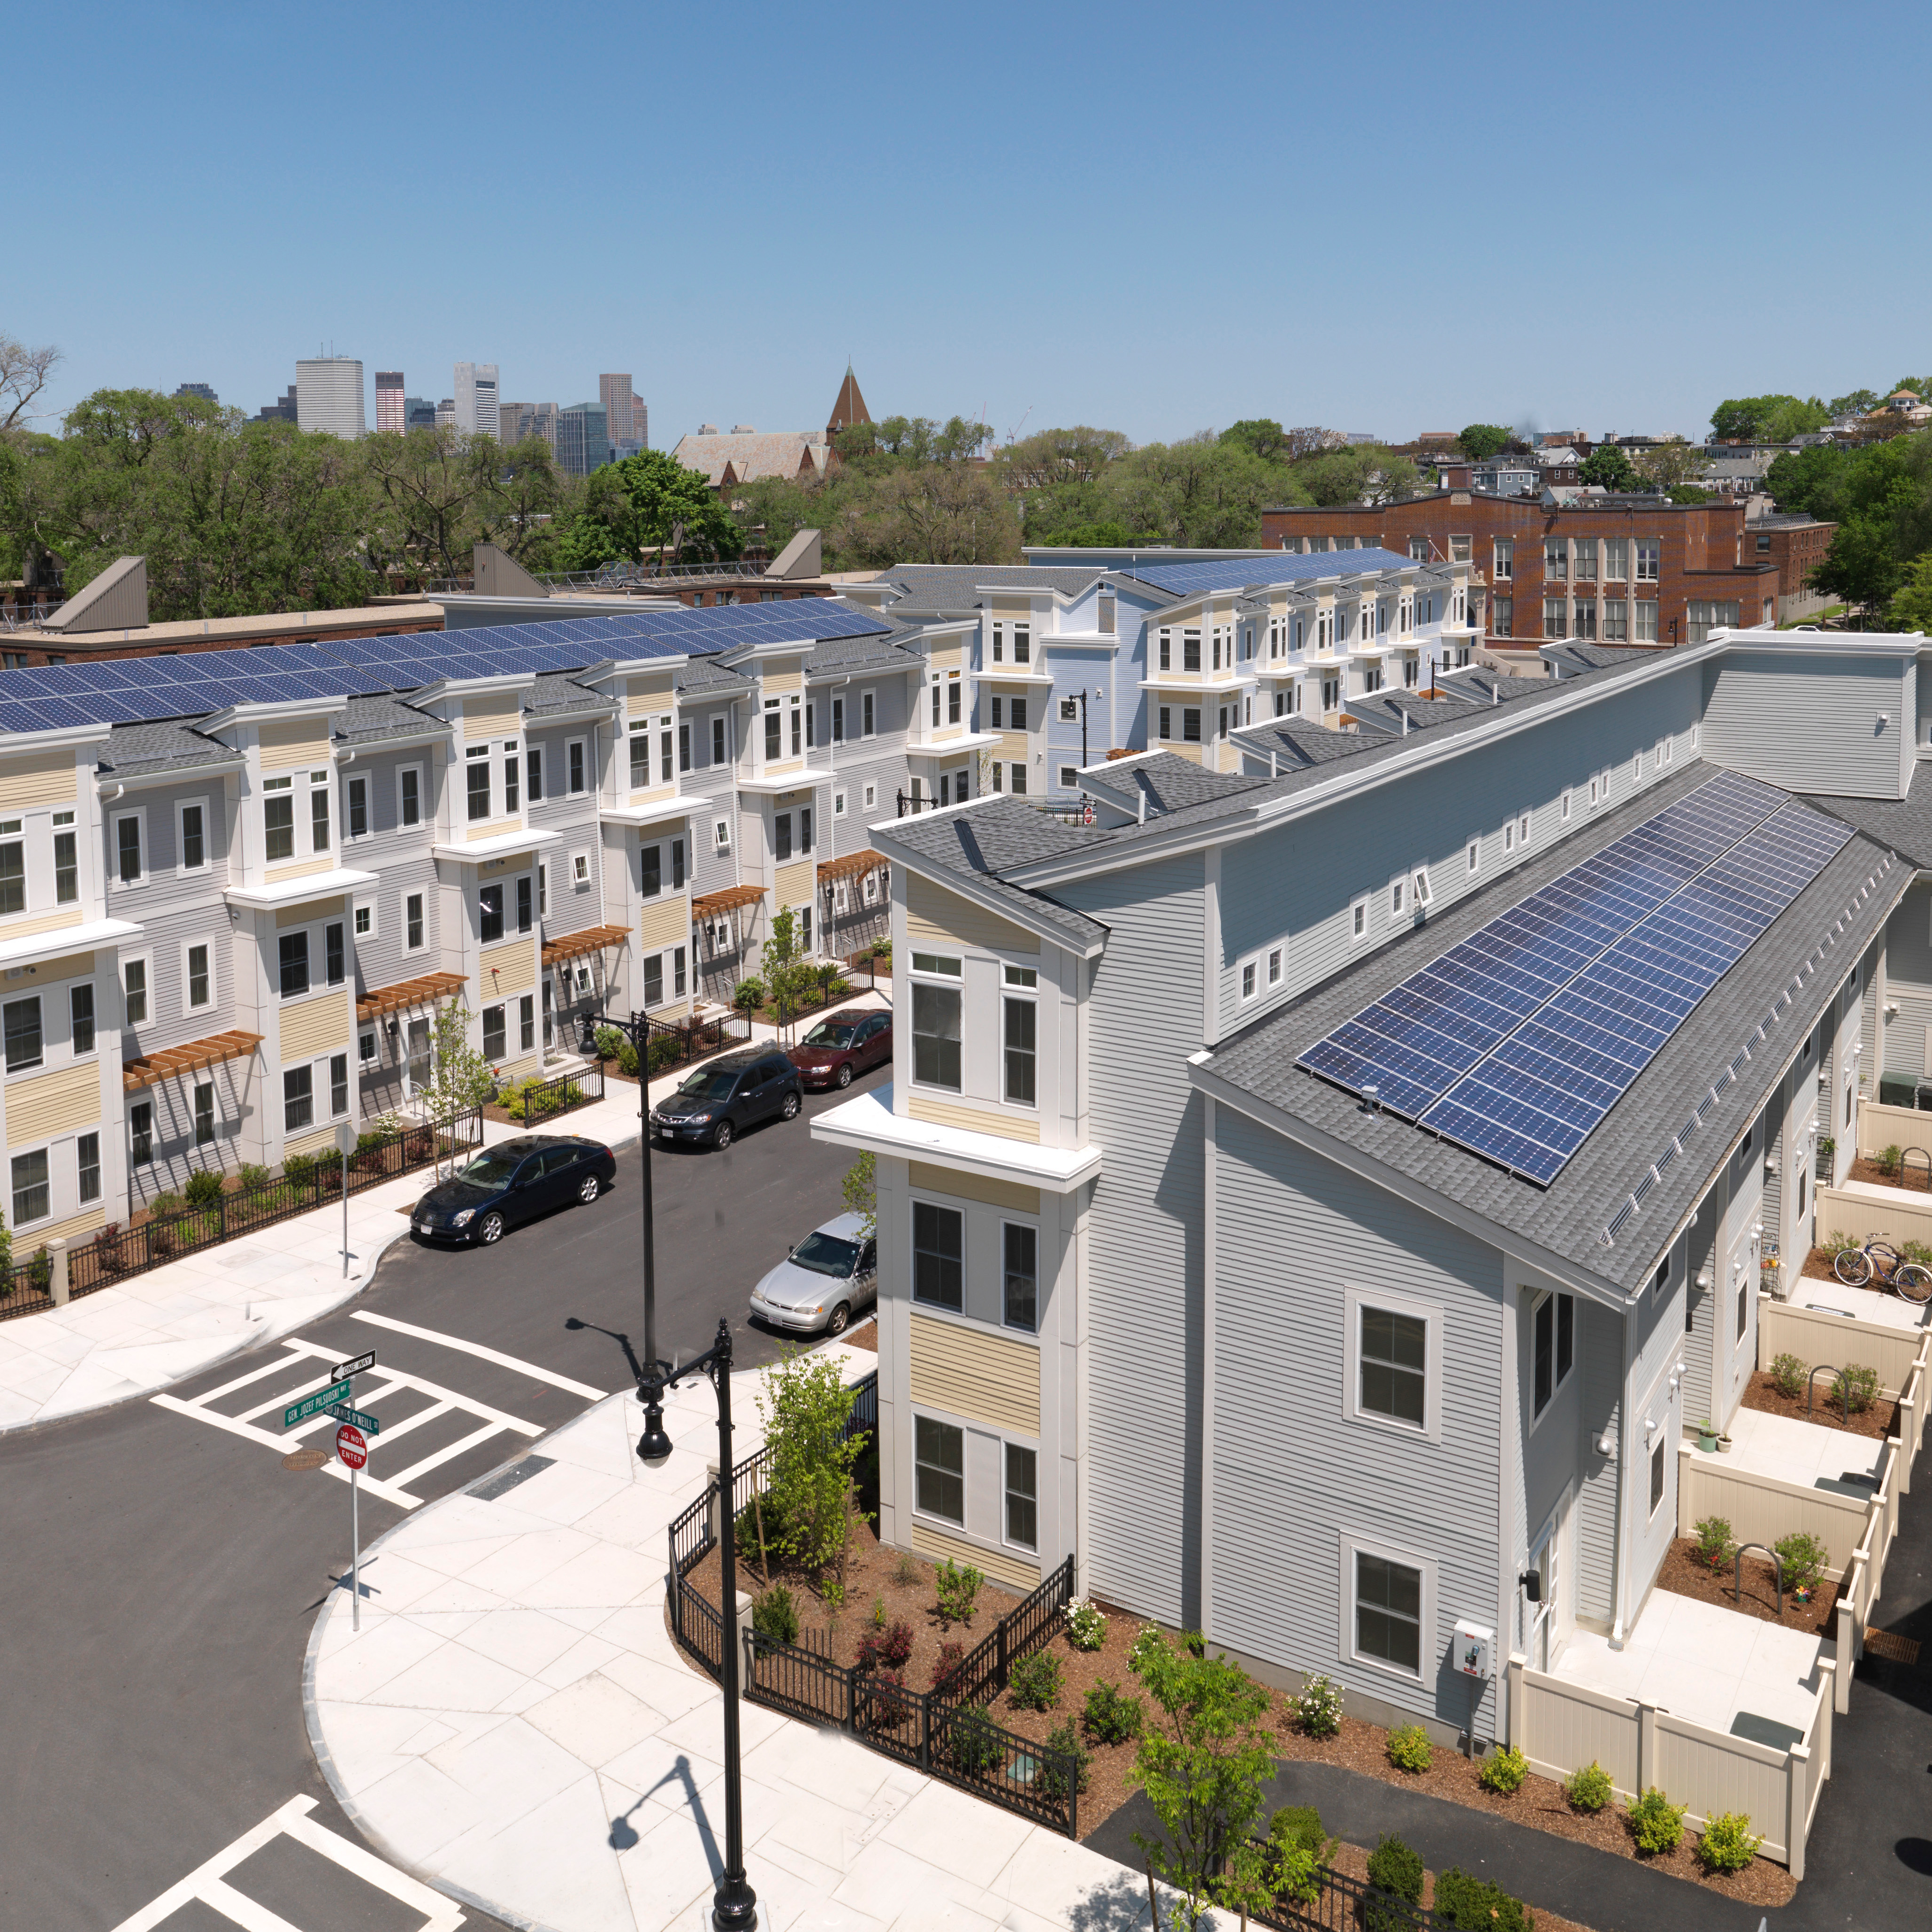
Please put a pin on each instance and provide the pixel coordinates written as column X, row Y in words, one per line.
column 1625, row 570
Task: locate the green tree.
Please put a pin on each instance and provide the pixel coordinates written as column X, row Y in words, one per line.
column 648, row 502
column 788, row 974
column 461, row 1078
column 1911, row 606
column 1858, row 403
column 1774, row 418
column 1260, row 436
column 1666, row 464
column 1202, row 1761
column 860, row 1188
column 1481, row 441
column 809, row 1509
column 431, row 487
column 1364, row 473
column 1608, row 468
column 1200, row 492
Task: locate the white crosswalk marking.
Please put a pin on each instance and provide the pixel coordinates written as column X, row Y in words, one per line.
column 209, row 1884
column 477, row 1349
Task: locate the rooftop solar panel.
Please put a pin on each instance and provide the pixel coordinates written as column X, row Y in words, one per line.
column 1189, row 579
column 1517, row 1041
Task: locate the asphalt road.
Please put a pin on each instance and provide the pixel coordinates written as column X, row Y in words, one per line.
column 162, row 1573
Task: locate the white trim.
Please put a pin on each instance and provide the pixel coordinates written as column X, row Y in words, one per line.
column 1353, row 1546
column 500, row 846
column 182, row 807
column 869, row 1124
column 292, row 891
column 115, row 820
column 188, row 1003
column 422, row 803
column 89, row 937
column 1354, row 1301
column 350, row 779
column 146, row 961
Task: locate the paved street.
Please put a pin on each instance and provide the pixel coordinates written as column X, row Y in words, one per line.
column 164, row 1568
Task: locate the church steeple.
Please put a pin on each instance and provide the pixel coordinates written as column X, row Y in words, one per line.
column 850, row 408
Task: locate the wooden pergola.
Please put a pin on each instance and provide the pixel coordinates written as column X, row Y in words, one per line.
column 149, row 1069
column 574, row 945
column 854, row 864
column 425, row 990
column 710, row 905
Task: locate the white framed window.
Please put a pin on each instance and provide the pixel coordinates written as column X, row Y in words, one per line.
column 1388, row 1608
column 721, row 834
column 365, row 1047
column 1693, row 737
column 67, row 859
column 1593, row 793
column 191, row 831
column 365, row 920
column 198, row 983
column 938, row 1256
column 130, row 847
column 80, row 1017
column 356, row 823
column 1425, row 894
column 1563, row 806
column 580, row 871
column 1475, row 855
column 476, row 782
column 868, row 713
column 1552, row 1347
column 1358, row 920
column 26, row 1045
column 1022, row 1515
column 1522, row 828
column 413, row 940
column 576, row 765
column 1394, row 1358
column 321, row 784
column 939, row 1469
column 1509, row 836
column 1251, row 978
column 838, row 805
column 32, row 1193
column 1274, row 966
column 298, row 1099
column 409, row 795
column 137, row 986
column 1398, row 897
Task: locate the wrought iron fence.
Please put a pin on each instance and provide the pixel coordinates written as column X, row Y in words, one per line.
column 677, row 1042
column 531, row 1101
column 1341, row 1903
column 115, row 1253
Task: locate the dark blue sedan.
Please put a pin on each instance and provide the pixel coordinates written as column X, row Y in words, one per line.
column 515, row 1180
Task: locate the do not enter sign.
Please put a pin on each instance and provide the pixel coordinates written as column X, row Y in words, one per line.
column 352, row 1446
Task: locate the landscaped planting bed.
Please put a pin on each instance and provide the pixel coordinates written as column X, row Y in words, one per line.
column 1879, row 1418
column 1685, row 1573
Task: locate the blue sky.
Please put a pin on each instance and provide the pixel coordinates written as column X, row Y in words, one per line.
column 1378, row 218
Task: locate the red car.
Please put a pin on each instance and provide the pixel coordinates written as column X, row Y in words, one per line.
column 848, row 1044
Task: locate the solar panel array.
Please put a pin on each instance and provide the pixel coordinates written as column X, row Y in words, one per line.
column 1515, row 1043
column 1189, row 579
column 128, row 691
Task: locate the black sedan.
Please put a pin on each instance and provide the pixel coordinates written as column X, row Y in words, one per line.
column 515, row 1180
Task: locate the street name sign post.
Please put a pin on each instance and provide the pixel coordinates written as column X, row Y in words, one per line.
column 355, row 1417
column 345, row 1145
column 351, row 1447
column 355, row 1366
column 314, row 1404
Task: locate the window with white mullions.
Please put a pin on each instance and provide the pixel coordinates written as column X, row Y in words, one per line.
column 1388, row 1611
column 935, row 1036
column 939, row 1468
column 1021, row 1058
column 1022, row 1496
column 938, row 1256
column 31, row 1201
column 1553, row 1347
column 1394, row 1365
column 1021, row 1258
column 22, row 1023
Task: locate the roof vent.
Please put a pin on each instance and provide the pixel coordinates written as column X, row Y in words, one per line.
column 742, row 429
column 1373, row 1098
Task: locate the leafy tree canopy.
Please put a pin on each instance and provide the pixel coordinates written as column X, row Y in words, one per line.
column 1858, row 403
column 649, row 501
column 1911, row 606
column 1481, row 441
column 1689, row 493
column 1880, row 497
column 1608, row 468
column 1259, row 436
column 1776, row 419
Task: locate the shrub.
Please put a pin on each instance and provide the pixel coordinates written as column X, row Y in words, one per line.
column 1111, row 1716
column 107, row 1255
column 887, row 1649
column 1070, row 1766
column 750, row 993
column 974, row 1741
column 608, row 1040
column 956, row 1585
column 1729, row 1844
column 1408, row 1748
column 41, row 1270
column 666, row 1049
column 1147, row 1644
column 1714, row 1546
column 951, row 1657
column 1787, row 1375
column 252, row 1174
column 166, row 1202
column 1300, row 1825
column 1393, row 1867
column 1317, row 1707
column 775, row 1616
column 1855, row 1388
column 1295, row 1875
column 1587, row 1789
column 627, row 1058
column 881, row 1695
column 1656, row 1823
column 878, row 1613
column 905, row 1572
column 1920, row 1251
column 1835, row 1245
column 1888, row 1159
column 1033, row 1682
column 204, row 1187
column 1474, row 1905
column 1804, row 1559
column 1086, row 1627
column 299, row 1169
column 1504, row 1770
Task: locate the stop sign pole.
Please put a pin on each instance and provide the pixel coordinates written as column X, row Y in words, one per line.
column 353, row 1448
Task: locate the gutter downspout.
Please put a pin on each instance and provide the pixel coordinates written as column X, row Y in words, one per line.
column 1618, row 1592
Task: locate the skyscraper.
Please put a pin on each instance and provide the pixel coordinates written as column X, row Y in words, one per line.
column 328, row 395
column 200, row 389
column 583, row 439
column 476, row 399
column 640, row 422
column 614, row 393
column 390, row 412
column 445, row 413
column 418, row 412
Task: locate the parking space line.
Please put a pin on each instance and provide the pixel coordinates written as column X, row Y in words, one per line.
column 429, row 1462
column 482, row 1353
column 250, row 1914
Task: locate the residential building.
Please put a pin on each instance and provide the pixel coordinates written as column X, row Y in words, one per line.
column 282, row 411
column 200, row 389
column 583, row 439
column 391, row 410
column 328, row 395
column 476, row 412
column 1354, row 1313
column 1617, row 569
column 618, row 397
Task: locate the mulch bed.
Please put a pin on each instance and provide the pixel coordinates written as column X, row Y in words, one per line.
column 1913, row 1177
column 1685, row 1574
column 1353, row 1861
column 874, row 1572
column 1878, row 1419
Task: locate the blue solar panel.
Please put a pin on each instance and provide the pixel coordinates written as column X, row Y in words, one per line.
column 1189, row 579
column 1518, row 1040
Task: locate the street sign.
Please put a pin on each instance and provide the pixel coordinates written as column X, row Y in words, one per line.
column 367, row 1424
column 304, row 1459
column 360, row 1365
column 314, row 1404
column 350, row 1446
column 345, row 1138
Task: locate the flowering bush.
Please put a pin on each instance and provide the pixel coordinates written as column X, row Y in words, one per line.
column 1086, row 1627
column 1317, row 1707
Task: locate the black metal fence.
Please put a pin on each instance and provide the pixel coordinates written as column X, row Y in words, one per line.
column 677, row 1042
column 115, row 1253
column 1341, row 1903
column 537, row 1100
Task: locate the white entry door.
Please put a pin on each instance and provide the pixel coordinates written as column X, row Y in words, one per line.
column 1554, row 1618
column 1737, row 1316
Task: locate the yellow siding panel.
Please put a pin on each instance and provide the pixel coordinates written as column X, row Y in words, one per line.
column 510, row 968
column 1003, row 1568
column 665, row 921
column 945, row 657
column 968, row 1371
column 495, row 829
column 924, row 1178
column 782, row 674
column 498, row 716
column 54, row 1104
column 933, row 912
column 1013, row 747
column 46, row 921
column 524, row 1067
column 318, row 1140
column 46, row 778
column 646, row 695
column 651, row 794
column 293, row 741
column 72, row 967
column 973, row 1119
column 301, row 915
column 82, row 1224
column 313, row 1027
column 301, row 869
column 785, row 768
column 796, row 884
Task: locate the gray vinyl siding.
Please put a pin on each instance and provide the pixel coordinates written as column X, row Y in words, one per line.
column 1811, row 728
column 1292, row 1473
column 1144, row 1241
column 1599, row 1343
column 1299, row 885
column 381, row 959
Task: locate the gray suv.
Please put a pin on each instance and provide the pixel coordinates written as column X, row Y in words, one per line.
column 716, row 1101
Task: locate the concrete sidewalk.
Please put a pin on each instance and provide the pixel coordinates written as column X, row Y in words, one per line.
column 146, row 1334
column 514, row 1724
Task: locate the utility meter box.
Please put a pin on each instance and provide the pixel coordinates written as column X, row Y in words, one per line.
column 1475, row 1649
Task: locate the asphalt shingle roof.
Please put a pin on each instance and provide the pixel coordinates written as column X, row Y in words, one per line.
column 1904, row 823
column 131, row 749
column 934, row 587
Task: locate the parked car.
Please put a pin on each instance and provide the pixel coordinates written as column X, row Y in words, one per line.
column 846, row 1045
column 723, row 1096
column 824, row 1281
column 513, row 1181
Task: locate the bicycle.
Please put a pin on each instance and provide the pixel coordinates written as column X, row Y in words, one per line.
column 1878, row 1264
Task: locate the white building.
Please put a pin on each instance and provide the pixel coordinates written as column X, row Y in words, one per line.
column 476, row 398
column 329, row 395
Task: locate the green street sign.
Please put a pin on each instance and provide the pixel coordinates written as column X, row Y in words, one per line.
column 343, row 1412
column 314, row 1404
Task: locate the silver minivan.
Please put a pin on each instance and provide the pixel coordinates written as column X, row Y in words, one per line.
column 818, row 1288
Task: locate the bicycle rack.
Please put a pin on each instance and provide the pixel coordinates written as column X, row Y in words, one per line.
column 1737, row 1573
column 1905, row 1158
column 1810, row 1384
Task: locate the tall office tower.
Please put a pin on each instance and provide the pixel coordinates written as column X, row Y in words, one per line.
column 640, row 422
column 476, row 411
column 582, row 438
column 392, row 406
column 445, row 413
column 282, row 409
column 418, row 412
column 328, row 395
column 614, row 393
column 510, row 422
column 200, row 389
